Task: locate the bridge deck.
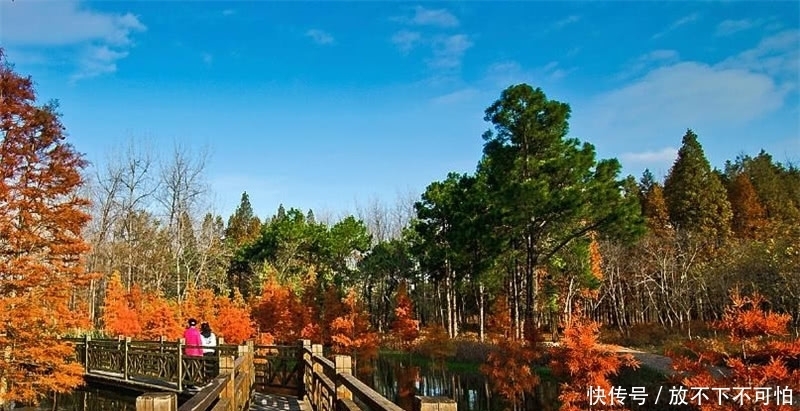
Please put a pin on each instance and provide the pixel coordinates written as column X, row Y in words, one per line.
column 273, row 402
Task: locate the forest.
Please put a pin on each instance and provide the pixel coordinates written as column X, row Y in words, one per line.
column 541, row 240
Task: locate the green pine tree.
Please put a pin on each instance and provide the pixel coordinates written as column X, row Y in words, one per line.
column 696, row 199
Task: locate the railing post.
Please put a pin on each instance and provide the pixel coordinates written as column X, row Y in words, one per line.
column 157, row 401
column 125, row 371
column 86, row 340
column 179, row 367
column 344, row 365
column 422, row 403
column 316, row 350
column 305, row 378
column 229, row 392
column 161, row 341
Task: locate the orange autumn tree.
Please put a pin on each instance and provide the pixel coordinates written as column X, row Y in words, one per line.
column 307, row 311
column 159, row 318
column 273, row 312
column 120, row 317
column 510, row 364
column 404, row 326
column 757, row 350
column 582, row 362
column 351, row 332
column 233, row 322
column 41, row 249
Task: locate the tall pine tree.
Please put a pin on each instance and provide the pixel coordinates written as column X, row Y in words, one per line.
column 695, row 196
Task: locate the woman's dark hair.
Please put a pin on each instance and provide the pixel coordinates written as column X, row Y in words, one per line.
column 205, row 329
column 192, row 322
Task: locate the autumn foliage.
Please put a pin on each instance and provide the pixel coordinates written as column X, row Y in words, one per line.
column 583, row 362
column 41, row 249
column 150, row 316
column 351, row 332
column 404, row 327
column 755, row 348
column 510, row 366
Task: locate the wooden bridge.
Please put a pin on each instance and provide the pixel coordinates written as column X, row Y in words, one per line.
column 286, row 377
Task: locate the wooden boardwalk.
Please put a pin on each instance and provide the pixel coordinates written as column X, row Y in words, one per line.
column 274, row 402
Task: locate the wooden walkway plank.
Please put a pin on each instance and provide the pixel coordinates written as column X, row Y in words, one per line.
column 274, row 402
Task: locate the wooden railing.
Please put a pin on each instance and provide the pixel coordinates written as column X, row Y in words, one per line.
column 154, row 364
column 232, row 390
column 331, row 385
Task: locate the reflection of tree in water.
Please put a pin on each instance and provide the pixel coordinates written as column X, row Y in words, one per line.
column 400, row 381
column 90, row 400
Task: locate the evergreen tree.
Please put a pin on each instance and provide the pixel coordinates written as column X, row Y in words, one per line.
column 243, row 225
column 696, row 200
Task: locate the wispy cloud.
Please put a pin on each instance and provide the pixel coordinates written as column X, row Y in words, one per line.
column 566, row 21
column 97, row 60
column 458, row 96
column 728, row 27
column 449, row 50
column 665, row 155
column 228, row 12
column 406, row 40
column 97, row 39
column 677, row 24
column 648, row 61
column 208, row 58
column 777, row 55
column 429, row 17
column 320, row 36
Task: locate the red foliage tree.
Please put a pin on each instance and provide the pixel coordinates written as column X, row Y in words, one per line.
column 756, row 349
column 41, row 249
column 351, row 333
column 273, row 312
column 233, row 319
column 584, row 363
column 404, row 326
column 332, row 308
column 159, row 318
column 509, row 366
column 119, row 315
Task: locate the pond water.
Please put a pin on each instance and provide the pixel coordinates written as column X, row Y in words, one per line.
column 88, row 398
column 398, row 380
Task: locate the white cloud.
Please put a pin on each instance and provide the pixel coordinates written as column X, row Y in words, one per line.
column 96, row 39
column 320, row 37
column 208, row 58
column 777, row 55
column 728, row 27
column 566, row 21
column 228, row 12
column 430, row 17
column 98, row 60
column 406, row 40
column 678, row 23
column 648, row 61
column 458, row 96
column 666, row 155
column 686, row 95
column 449, row 50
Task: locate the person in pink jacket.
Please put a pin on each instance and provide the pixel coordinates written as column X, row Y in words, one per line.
column 194, row 340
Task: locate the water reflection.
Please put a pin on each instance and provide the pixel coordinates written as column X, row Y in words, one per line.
column 87, row 399
column 397, row 379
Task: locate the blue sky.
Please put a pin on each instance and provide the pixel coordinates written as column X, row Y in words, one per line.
column 319, row 105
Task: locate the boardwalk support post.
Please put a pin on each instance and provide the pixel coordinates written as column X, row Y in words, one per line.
column 305, row 378
column 157, row 401
column 344, row 365
column 86, row 340
column 316, row 350
column 434, row 404
column 126, row 366
column 179, row 368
